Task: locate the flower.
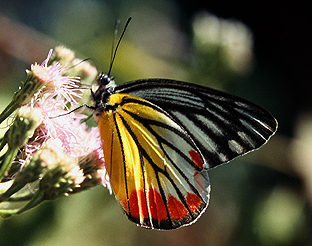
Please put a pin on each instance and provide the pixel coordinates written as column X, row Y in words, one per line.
column 47, row 137
column 63, row 173
column 93, row 166
column 40, row 80
column 54, row 82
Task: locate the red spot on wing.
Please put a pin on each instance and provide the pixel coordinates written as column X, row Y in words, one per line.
column 176, row 209
column 196, row 158
column 193, row 201
column 157, row 205
column 137, row 204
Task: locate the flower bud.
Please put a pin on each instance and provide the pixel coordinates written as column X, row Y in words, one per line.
column 93, row 167
column 62, row 55
column 64, row 175
column 24, row 125
column 29, row 87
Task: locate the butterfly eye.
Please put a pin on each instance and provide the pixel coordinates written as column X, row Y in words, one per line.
column 103, row 79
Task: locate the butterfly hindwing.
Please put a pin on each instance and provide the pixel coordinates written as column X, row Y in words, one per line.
column 156, row 170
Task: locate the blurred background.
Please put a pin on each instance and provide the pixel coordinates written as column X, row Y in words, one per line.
column 258, row 51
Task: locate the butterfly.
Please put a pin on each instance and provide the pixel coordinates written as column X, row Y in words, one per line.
column 160, row 138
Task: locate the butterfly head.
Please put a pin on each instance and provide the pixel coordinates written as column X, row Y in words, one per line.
column 104, row 80
column 106, row 88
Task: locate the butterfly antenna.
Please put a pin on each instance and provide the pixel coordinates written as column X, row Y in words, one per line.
column 80, row 62
column 114, row 51
column 114, row 41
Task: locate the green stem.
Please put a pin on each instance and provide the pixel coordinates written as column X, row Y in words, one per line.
column 1, row 160
column 6, row 213
column 3, row 142
column 21, row 198
column 15, row 187
column 36, row 200
column 9, row 157
column 8, row 111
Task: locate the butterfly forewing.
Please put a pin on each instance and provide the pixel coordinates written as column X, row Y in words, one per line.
column 156, row 170
column 223, row 126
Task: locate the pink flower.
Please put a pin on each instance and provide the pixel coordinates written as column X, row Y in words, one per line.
column 54, row 148
column 55, row 100
column 54, row 82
